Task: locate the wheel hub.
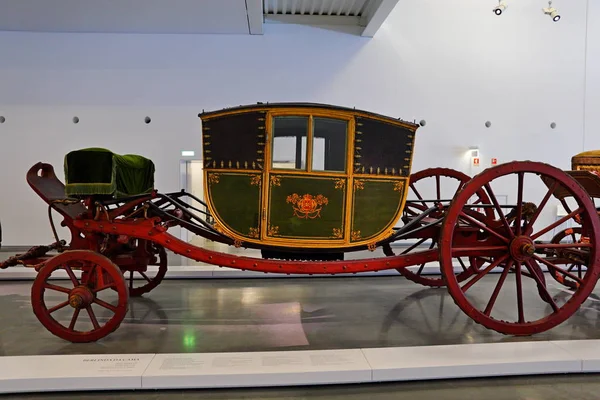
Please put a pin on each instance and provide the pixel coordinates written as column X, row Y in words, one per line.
column 522, row 248
column 81, row 297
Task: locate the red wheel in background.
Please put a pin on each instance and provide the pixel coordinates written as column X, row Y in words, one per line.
column 64, row 306
column 569, row 235
column 149, row 281
column 437, row 184
column 513, row 243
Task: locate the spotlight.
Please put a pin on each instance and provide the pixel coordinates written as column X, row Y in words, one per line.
column 500, row 8
column 552, row 12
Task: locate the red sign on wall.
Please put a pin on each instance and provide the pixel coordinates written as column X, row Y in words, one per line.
column 476, row 161
column 494, row 161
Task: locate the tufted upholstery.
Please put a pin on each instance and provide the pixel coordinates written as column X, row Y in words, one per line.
column 586, row 161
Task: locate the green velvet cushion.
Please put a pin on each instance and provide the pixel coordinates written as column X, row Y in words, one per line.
column 97, row 171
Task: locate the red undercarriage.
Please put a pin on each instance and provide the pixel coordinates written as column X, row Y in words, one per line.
column 111, row 240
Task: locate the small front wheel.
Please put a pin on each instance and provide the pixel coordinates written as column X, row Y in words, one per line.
column 80, row 310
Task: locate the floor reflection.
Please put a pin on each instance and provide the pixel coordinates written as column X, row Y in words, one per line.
column 224, row 315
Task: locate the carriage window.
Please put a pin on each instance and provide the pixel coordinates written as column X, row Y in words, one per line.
column 329, row 144
column 289, row 142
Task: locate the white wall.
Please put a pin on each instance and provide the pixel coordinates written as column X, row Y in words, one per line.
column 454, row 66
column 592, row 104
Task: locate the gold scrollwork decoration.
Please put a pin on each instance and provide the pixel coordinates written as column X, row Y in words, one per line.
column 275, row 181
column 399, row 186
column 337, row 233
column 307, row 206
column 218, row 227
column 371, row 246
column 359, row 184
column 355, row 235
column 253, row 233
column 213, row 178
column 255, row 180
column 273, row 230
column 340, row 183
column 237, row 243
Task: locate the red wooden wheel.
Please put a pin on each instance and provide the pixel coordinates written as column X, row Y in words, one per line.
column 438, row 184
column 569, row 235
column 513, row 244
column 149, row 282
column 103, row 313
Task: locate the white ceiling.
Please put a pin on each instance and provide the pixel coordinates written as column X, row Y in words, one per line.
column 187, row 16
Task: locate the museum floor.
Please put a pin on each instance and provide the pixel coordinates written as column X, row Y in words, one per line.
column 233, row 315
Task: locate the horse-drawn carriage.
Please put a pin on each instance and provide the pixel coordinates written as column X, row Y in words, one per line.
column 307, row 184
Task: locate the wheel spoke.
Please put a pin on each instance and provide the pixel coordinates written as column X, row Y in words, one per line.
column 412, row 186
column 484, row 272
column 494, row 200
column 519, row 292
column 558, row 269
column 462, row 264
column 557, row 223
column 482, row 226
column 145, row 276
column 420, row 242
column 519, row 203
column 72, row 275
column 74, row 319
column 492, row 301
column 539, row 209
column 58, row 306
column 562, row 245
column 99, row 289
column 92, row 317
column 105, row 305
column 438, row 187
column 541, row 285
column 56, row 287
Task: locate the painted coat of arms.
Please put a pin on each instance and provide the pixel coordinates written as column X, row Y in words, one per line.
column 307, row 206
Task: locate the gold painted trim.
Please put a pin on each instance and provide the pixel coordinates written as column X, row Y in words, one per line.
column 256, row 180
column 359, row 184
column 340, row 184
column 311, row 110
column 275, row 181
column 385, row 231
column 348, row 176
column 213, row 178
column 299, row 241
column 220, row 225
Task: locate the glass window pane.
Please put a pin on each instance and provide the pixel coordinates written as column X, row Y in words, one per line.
column 289, row 142
column 329, row 144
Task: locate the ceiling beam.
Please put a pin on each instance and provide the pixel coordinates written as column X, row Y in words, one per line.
column 376, row 13
column 313, row 20
column 254, row 8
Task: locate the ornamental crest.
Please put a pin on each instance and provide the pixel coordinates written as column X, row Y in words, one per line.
column 307, row 206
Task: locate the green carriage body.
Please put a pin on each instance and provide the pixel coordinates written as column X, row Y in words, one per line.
column 298, row 175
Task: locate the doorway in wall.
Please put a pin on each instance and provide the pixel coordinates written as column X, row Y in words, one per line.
column 192, row 181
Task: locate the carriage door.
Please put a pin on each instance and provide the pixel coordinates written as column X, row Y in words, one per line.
column 307, row 180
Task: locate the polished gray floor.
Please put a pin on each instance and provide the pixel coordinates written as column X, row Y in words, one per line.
column 224, row 315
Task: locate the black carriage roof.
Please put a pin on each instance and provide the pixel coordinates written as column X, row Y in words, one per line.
column 262, row 106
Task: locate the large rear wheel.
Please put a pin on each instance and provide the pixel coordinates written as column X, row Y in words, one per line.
column 515, row 244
